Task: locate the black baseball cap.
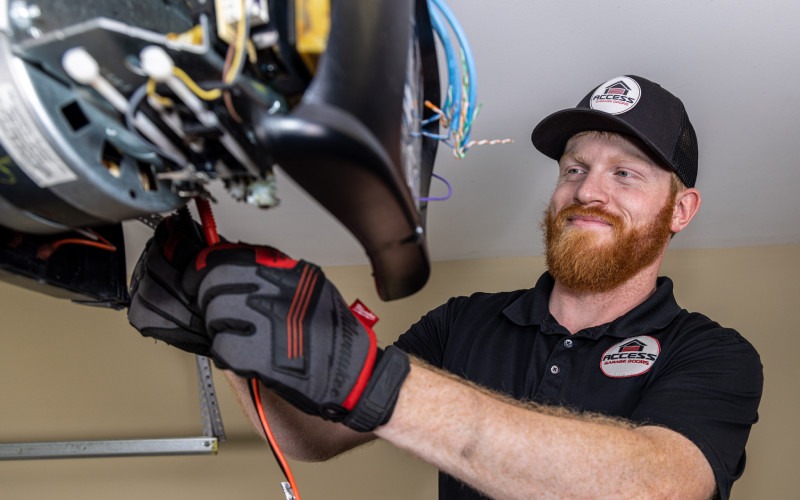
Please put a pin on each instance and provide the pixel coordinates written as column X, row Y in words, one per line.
column 629, row 105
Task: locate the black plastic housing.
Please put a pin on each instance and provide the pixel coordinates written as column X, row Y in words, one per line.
column 80, row 273
column 342, row 143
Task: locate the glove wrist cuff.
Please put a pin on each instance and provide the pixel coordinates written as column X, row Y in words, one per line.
column 380, row 396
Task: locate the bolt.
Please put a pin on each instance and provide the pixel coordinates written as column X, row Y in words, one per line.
column 22, row 14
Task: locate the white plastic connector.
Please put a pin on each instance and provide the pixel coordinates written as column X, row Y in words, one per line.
column 84, row 69
column 156, row 63
column 80, row 66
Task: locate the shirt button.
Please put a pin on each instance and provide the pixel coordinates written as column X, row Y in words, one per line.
column 555, row 369
column 568, row 343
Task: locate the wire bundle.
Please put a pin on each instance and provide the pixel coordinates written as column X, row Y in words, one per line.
column 460, row 107
column 235, row 59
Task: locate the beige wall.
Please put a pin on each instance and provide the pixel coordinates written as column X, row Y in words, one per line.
column 73, row 372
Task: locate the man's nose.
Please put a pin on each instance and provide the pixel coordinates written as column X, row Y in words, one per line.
column 592, row 190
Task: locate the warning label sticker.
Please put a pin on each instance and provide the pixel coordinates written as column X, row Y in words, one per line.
column 28, row 148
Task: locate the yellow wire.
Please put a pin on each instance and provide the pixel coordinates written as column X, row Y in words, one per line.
column 240, row 47
column 193, row 36
column 151, row 92
column 206, row 95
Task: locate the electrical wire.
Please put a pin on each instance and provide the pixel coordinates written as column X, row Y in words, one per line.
column 153, row 94
column 228, row 99
column 452, row 68
column 281, row 459
column 440, row 198
column 207, row 221
column 489, row 142
column 239, row 46
column 130, row 117
column 206, row 95
column 235, row 60
column 460, row 107
column 211, row 236
column 45, row 251
column 470, row 73
column 440, row 115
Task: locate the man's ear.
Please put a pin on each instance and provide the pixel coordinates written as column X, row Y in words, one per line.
column 687, row 202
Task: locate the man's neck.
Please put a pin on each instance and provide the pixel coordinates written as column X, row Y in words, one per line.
column 578, row 310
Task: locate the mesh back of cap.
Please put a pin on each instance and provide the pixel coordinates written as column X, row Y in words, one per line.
column 684, row 155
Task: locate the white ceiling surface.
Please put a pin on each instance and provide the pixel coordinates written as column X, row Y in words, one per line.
column 735, row 64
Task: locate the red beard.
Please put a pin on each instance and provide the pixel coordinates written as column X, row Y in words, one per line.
column 578, row 261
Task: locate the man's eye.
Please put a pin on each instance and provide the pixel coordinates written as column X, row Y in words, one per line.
column 623, row 173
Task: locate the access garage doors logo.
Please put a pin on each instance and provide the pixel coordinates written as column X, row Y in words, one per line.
column 631, row 357
column 616, row 96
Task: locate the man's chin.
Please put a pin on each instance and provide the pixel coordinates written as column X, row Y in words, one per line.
column 592, row 237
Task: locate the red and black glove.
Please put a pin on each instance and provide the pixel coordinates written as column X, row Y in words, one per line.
column 282, row 321
column 159, row 307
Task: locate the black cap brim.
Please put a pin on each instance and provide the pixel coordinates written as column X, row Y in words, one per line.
column 550, row 136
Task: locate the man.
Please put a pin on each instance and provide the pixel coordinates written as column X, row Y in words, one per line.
column 594, row 383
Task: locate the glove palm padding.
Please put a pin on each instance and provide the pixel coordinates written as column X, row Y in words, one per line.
column 159, row 306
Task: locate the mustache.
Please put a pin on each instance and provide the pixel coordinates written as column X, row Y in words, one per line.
column 578, row 211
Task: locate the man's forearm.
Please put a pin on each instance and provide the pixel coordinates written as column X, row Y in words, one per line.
column 300, row 436
column 508, row 450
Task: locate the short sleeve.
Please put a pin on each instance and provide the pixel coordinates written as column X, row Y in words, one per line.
column 709, row 390
column 427, row 338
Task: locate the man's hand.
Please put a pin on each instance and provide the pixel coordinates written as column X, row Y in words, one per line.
column 159, row 307
column 281, row 320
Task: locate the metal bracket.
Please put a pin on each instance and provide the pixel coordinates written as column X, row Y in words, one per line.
column 119, row 448
column 203, row 445
column 209, row 408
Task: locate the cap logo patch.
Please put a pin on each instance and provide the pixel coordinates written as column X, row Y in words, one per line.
column 616, row 96
column 631, row 357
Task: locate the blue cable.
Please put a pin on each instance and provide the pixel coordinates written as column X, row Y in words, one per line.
column 452, row 62
column 438, row 137
column 468, row 57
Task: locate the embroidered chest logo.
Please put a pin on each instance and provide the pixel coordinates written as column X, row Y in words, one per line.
column 631, row 357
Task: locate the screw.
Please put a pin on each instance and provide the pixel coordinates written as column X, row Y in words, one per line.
column 22, row 14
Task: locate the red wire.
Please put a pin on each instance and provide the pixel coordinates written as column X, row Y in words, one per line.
column 212, row 238
column 207, row 220
column 271, row 438
column 45, row 251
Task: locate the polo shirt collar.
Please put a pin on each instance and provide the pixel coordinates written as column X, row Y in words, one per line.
column 655, row 313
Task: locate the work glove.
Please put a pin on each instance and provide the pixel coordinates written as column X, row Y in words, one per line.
column 282, row 321
column 159, row 307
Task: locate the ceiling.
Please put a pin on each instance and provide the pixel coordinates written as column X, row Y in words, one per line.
column 734, row 64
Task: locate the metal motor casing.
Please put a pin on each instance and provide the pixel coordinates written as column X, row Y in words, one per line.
column 73, row 153
column 65, row 158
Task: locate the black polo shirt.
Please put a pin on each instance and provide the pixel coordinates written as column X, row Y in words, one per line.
column 658, row 364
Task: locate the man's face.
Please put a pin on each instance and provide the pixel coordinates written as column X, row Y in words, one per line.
column 610, row 215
